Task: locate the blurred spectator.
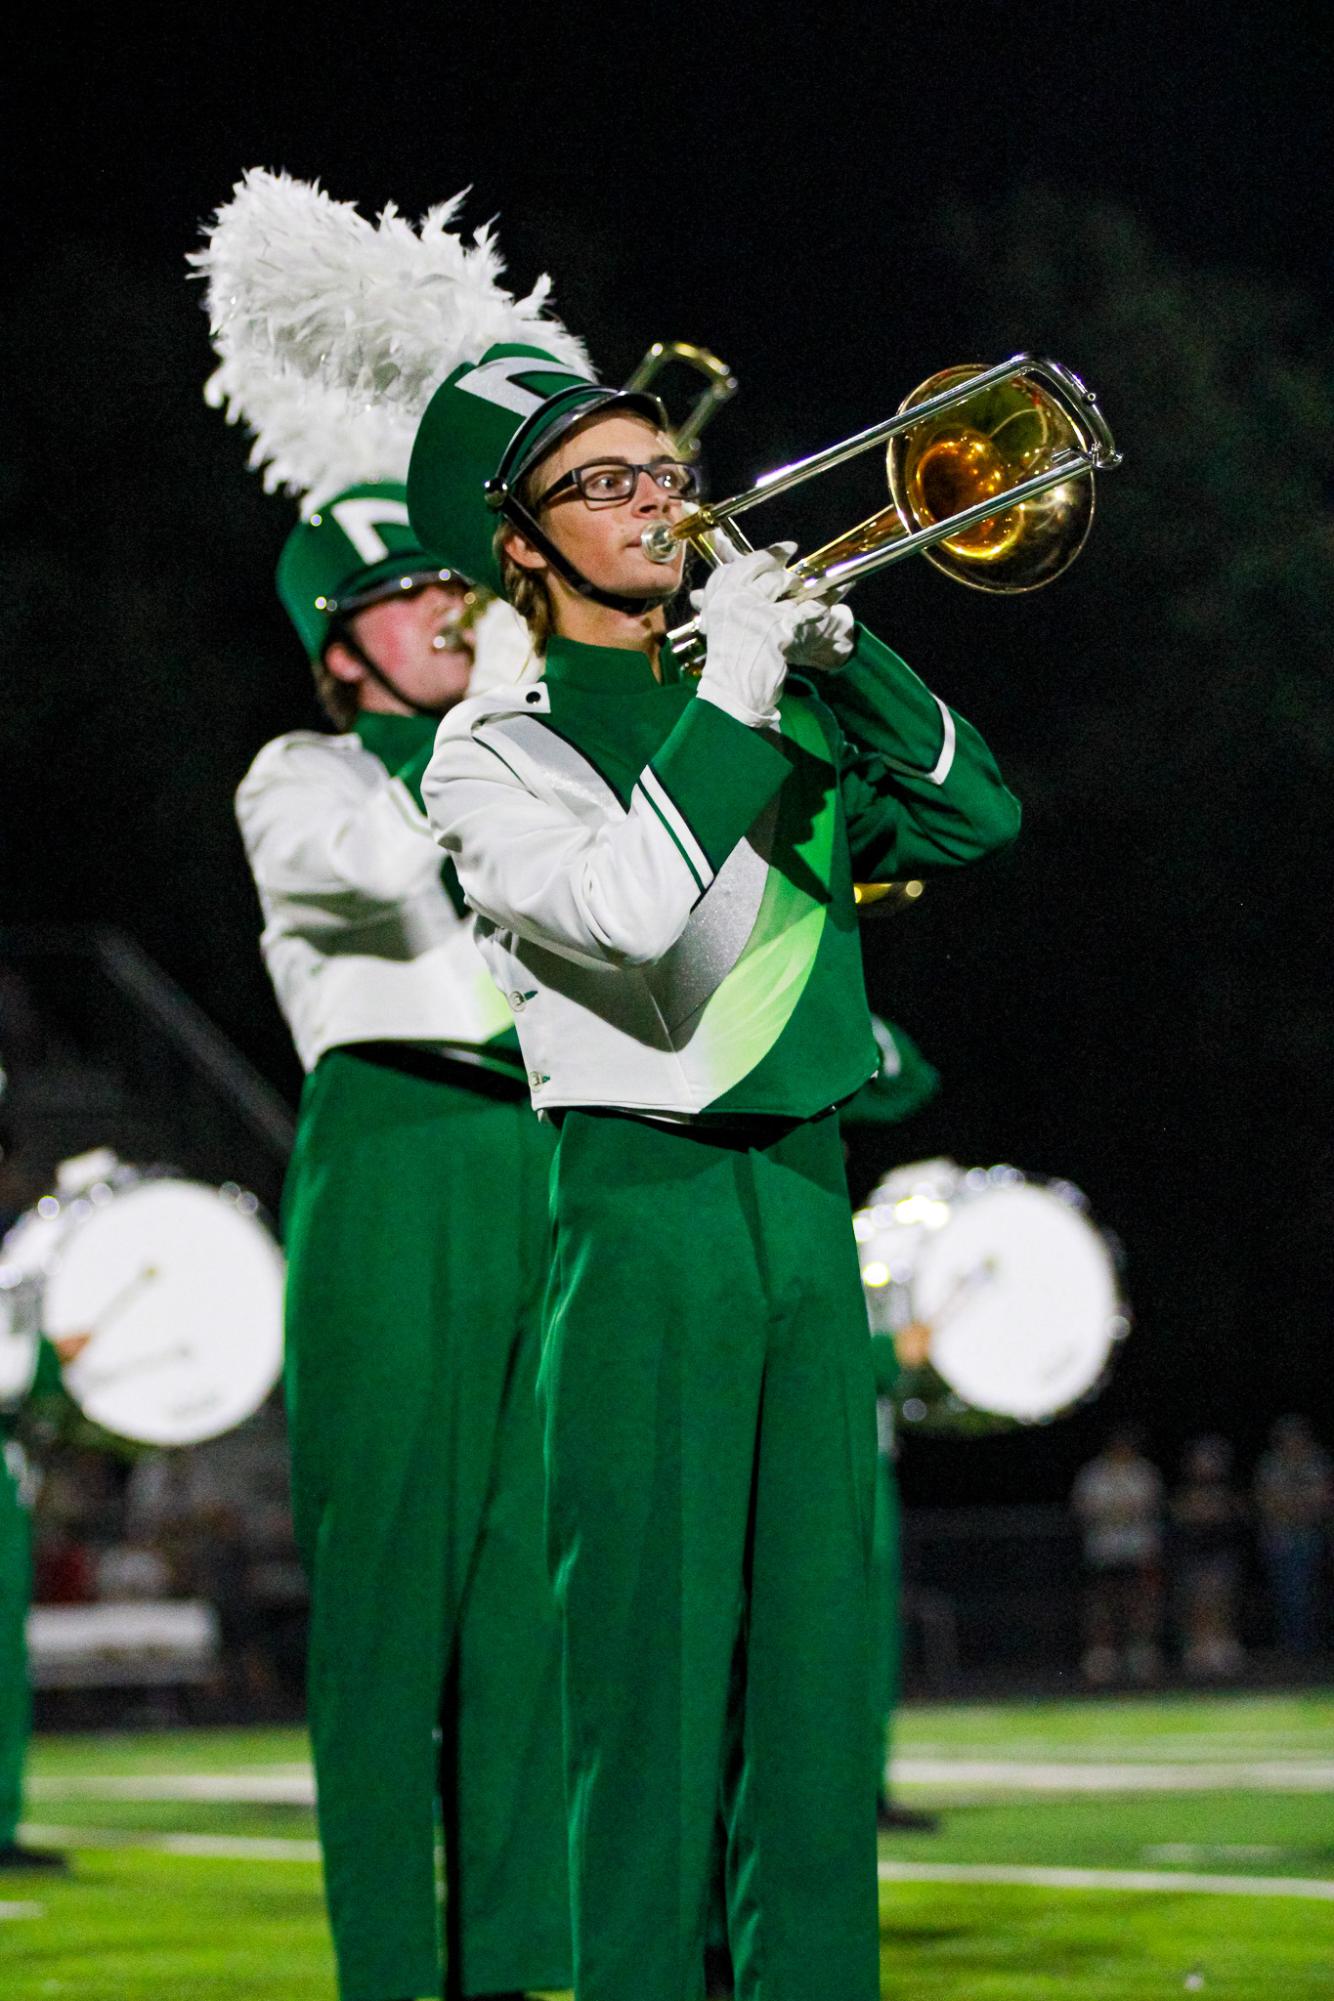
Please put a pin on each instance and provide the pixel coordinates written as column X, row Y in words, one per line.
column 1118, row 1499
column 1292, row 1497
column 223, row 1572
column 220, row 1514
column 133, row 1571
column 246, row 1467
column 1208, row 1544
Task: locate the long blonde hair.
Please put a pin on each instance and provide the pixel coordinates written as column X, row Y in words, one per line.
column 527, row 590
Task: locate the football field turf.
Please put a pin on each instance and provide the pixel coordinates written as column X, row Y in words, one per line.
column 1100, row 1850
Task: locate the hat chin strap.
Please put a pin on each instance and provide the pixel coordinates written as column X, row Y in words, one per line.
column 343, row 635
column 519, row 517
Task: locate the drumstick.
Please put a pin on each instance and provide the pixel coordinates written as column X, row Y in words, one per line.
column 77, row 1340
column 981, row 1274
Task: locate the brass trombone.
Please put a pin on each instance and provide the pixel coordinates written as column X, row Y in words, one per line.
column 990, row 477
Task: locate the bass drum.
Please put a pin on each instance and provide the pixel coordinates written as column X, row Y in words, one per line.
column 23, row 1253
column 171, row 1291
column 1018, row 1289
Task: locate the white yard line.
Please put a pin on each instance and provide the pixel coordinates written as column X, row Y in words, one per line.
column 1173, row 1881
column 1211, row 1851
column 295, row 1786
column 1211, row 1750
column 8, row 1911
column 218, row 1847
column 253, row 1849
column 1037, row 1776
column 244, row 1848
column 258, row 1788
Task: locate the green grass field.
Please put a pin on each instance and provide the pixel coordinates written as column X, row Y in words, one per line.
column 1111, row 1851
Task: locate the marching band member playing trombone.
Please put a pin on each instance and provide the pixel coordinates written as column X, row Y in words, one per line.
column 663, row 878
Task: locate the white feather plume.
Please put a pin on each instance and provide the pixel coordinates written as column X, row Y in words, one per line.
column 332, row 333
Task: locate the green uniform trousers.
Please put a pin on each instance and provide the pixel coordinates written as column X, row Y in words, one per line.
column 15, row 1698
column 886, row 1611
column 416, row 1226
column 706, row 1381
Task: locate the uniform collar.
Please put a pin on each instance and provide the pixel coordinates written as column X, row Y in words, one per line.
column 394, row 739
column 606, row 670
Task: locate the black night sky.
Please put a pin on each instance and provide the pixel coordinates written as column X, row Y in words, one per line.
column 840, row 201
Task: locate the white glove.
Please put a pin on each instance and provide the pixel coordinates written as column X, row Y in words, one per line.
column 747, row 631
column 821, row 634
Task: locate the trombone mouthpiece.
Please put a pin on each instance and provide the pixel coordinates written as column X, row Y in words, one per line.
column 659, row 543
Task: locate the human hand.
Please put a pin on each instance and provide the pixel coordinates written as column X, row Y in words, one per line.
column 912, row 1343
column 821, row 635
column 746, row 629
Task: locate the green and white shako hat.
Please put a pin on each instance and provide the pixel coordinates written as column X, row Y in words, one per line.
column 352, row 551
column 482, row 430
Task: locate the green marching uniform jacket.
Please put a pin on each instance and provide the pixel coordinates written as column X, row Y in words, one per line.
column 665, row 895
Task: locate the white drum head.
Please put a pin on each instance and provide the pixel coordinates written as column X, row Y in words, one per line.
column 1022, row 1294
column 181, row 1291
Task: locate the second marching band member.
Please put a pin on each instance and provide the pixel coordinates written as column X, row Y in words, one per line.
column 663, row 879
column 415, row 1226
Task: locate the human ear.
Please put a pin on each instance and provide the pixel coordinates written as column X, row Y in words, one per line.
column 522, row 552
column 344, row 666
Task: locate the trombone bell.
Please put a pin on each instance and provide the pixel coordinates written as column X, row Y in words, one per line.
column 978, row 449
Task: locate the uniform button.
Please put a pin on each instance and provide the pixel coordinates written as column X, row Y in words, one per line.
column 533, row 697
column 516, row 1002
column 535, row 1078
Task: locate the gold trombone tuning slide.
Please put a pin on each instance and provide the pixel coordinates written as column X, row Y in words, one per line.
column 720, row 385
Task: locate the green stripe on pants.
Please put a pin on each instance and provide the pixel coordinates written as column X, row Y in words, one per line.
column 886, row 1610
column 416, row 1227
column 15, row 1699
column 710, row 1443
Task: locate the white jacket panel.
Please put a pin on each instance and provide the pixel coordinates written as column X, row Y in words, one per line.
column 360, row 937
column 551, row 853
column 592, row 917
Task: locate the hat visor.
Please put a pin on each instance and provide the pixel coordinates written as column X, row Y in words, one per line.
column 544, row 430
column 408, row 570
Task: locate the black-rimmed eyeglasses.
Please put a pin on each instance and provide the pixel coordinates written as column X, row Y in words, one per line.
column 610, row 482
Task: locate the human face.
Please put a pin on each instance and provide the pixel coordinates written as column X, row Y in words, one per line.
column 413, row 639
column 604, row 542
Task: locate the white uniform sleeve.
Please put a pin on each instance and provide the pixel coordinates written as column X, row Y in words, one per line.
column 613, row 892
column 315, row 830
